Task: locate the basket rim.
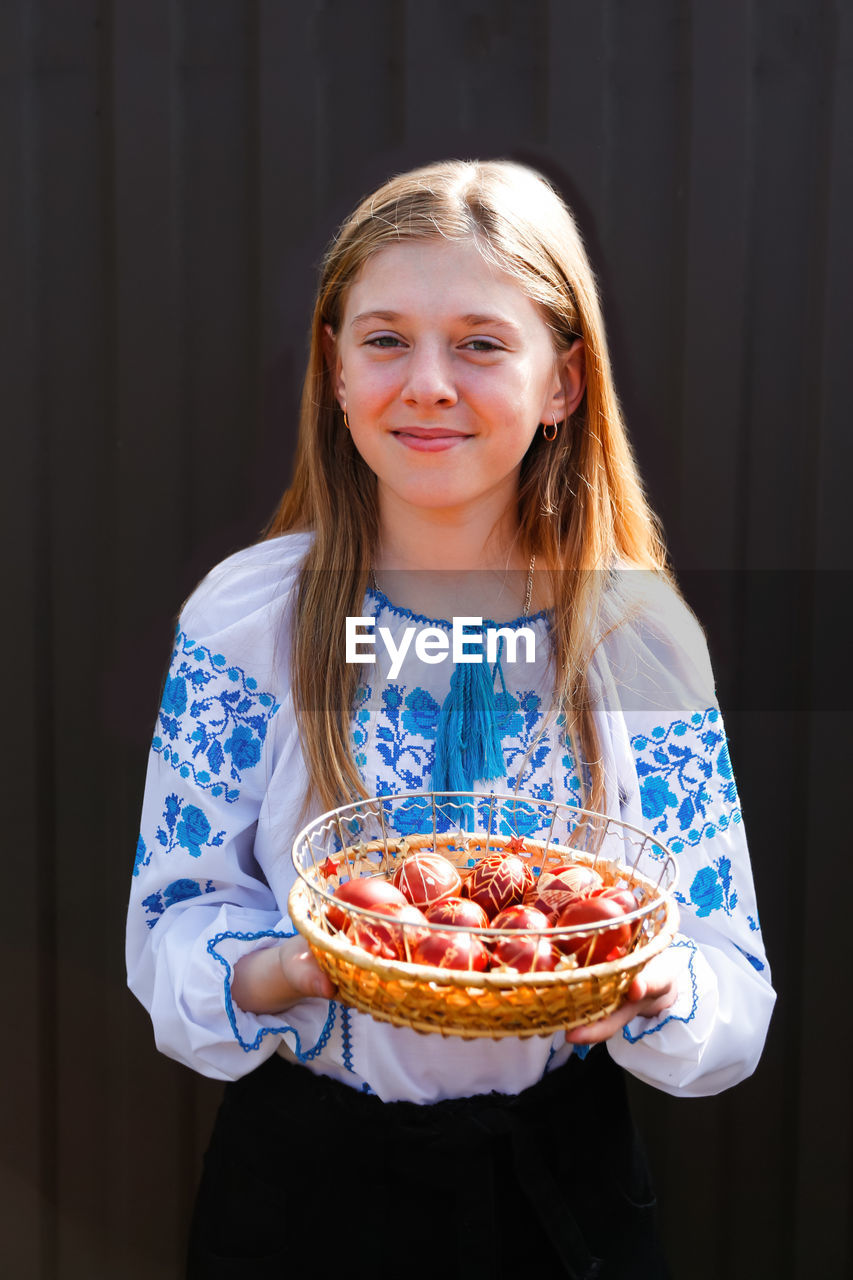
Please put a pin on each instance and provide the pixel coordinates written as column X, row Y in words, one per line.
column 556, row 805
column 665, row 855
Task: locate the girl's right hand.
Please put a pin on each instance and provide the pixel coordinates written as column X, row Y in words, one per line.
column 275, row 978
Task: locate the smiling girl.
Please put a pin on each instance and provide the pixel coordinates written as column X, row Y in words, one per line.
column 461, row 451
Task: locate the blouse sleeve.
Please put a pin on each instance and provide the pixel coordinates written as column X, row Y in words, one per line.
column 199, row 899
column 675, row 778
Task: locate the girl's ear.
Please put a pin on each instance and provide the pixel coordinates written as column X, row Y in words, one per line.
column 333, row 363
column 569, row 383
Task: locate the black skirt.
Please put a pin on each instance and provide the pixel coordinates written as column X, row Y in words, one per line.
column 305, row 1175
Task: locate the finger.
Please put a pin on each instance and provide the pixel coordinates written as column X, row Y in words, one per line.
column 638, row 990
column 603, row 1029
column 303, row 972
column 314, row 980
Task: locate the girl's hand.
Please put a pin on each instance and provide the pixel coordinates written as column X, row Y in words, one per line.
column 650, row 993
column 276, row 978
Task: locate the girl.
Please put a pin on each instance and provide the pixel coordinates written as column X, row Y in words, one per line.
column 461, row 452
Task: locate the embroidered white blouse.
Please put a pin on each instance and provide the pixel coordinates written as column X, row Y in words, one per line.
column 223, row 798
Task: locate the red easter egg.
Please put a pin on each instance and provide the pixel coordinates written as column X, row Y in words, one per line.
column 499, row 881
column 557, row 888
column 526, row 954
column 623, row 898
column 425, row 878
column 461, row 912
column 366, row 891
column 452, row 951
column 521, row 918
column 592, row 948
column 388, row 939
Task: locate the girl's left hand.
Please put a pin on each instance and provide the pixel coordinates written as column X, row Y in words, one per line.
column 650, row 993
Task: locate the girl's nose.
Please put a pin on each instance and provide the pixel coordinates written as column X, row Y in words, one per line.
column 429, row 376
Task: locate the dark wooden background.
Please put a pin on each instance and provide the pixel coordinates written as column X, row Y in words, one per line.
column 170, row 171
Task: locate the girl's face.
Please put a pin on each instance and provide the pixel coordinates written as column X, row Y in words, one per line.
column 446, row 369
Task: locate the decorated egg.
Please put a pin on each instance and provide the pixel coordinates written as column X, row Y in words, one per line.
column 458, row 911
column 623, row 897
column 452, row 951
column 386, row 938
column 427, row 877
column 594, row 947
column 499, row 881
column 557, row 888
column 366, row 891
column 521, row 918
column 525, row 953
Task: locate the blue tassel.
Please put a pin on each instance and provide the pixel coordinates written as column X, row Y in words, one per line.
column 467, row 744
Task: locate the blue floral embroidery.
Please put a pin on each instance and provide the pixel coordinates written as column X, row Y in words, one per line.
column 706, row 892
column 143, row 855
column 178, row 891
column 509, row 715
column 414, row 816
column 518, row 724
column 753, row 960
column 304, row 1055
column 571, row 775
column 421, row 714
column 213, row 721
column 360, row 724
column 688, row 785
column 404, row 738
column 711, row 889
column 410, row 760
column 193, row 832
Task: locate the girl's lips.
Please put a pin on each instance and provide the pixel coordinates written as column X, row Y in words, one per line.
column 424, row 441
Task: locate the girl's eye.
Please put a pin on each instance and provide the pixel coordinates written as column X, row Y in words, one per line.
column 384, row 341
column 482, row 345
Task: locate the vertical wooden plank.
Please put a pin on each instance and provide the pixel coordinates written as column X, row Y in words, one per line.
column 477, row 78
column 219, row 369
column 790, row 91
column 28, row 1073
column 356, row 114
column 71, row 335
column 644, row 229
column 291, row 229
column 720, row 310
column 577, row 123
column 832, row 550
column 576, row 100
column 150, row 516
column 718, row 296
column 824, row 1134
column 791, row 58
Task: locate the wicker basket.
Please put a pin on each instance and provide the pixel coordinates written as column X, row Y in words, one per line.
column 371, row 837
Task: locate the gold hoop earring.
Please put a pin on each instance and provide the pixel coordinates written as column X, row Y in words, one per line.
column 552, row 428
column 346, row 420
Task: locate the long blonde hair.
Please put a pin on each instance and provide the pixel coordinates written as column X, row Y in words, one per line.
column 581, row 506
